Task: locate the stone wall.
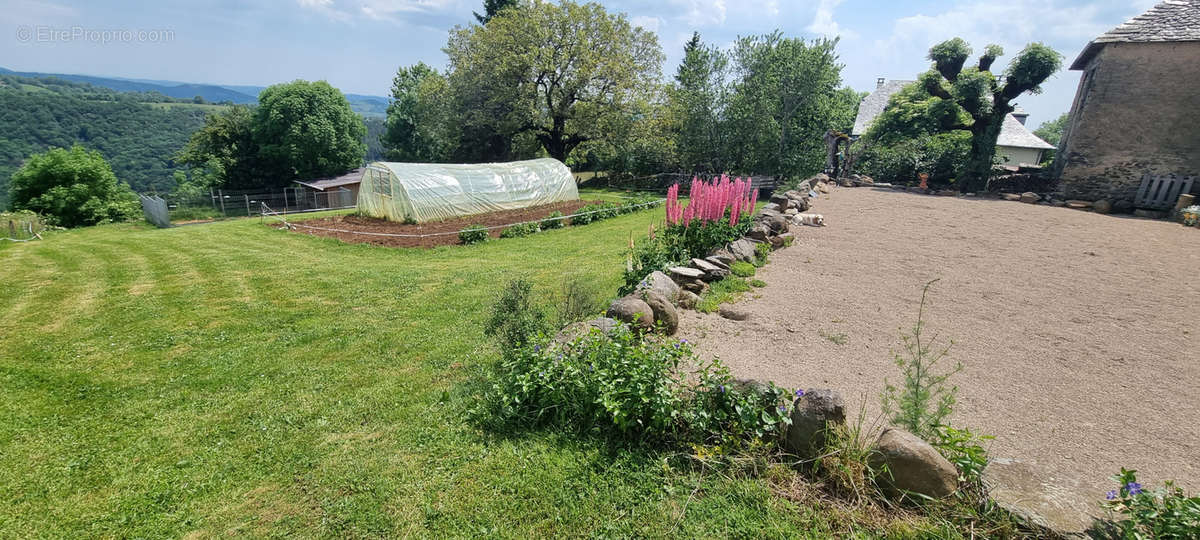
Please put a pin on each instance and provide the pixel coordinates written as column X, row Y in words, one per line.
column 1137, row 111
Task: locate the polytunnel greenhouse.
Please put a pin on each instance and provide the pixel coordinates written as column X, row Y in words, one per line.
column 424, row 192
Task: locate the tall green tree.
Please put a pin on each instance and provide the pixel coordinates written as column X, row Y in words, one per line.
column 307, row 130
column 786, row 96
column 551, row 71
column 491, row 8
column 1051, row 131
column 699, row 95
column 225, row 153
column 974, row 99
column 73, row 188
column 419, row 119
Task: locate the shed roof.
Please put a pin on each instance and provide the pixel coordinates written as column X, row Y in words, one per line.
column 322, row 184
column 873, row 105
column 1171, row 20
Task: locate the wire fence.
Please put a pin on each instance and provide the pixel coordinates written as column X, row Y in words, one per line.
column 21, row 227
column 221, row 203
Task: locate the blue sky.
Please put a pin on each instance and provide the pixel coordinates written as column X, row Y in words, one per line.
column 358, row 44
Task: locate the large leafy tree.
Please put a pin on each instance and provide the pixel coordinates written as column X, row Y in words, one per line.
column 972, row 98
column 307, row 130
column 73, row 187
column 786, row 96
column 1051, row 131
column 419, row 118
column 699, row 96
column 553, row 72
column 491, row 8
column 224, row 152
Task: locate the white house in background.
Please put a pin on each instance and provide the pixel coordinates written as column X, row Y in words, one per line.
column 1016, row 146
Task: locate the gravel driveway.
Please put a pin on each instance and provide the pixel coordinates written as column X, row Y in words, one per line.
column 1078, row 331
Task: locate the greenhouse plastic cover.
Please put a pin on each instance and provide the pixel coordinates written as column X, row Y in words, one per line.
column 424, row 192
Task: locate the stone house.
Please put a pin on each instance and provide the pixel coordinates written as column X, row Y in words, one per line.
column 1016, row 146
column 1137, row 109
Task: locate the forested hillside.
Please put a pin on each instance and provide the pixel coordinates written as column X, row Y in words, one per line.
column 137, row 133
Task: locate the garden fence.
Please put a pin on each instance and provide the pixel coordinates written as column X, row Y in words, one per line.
column 241, row 203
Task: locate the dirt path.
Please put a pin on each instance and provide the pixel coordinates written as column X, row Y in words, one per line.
column 1078, row 331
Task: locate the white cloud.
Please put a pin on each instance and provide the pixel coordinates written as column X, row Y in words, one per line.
column 647, row 22
column 823, row 22
column 379, row 10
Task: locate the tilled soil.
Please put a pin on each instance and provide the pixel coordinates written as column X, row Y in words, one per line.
column 1077, row 331
column 348, row 226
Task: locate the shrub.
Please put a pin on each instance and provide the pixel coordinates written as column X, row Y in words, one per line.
column 941, row 155
column 762, row 252
column 473, row 234
column 519, row 230
column 742, row 269
column 1165, row 513
column 515, row 321
column 925, row 399
column 556, row 221
column 964, row 449
column 578, row 300
column 72, row 188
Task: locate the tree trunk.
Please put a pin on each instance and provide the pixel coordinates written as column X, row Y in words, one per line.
column 978, row 170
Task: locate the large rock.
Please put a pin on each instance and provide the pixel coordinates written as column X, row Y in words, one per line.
column 633, row 311
column 815, row 413
column 1030, row 197
column 687, row 300
column 1123, row 206
column 719, row 262
column 743, row 249
column 912, row 465
column 780, row 200
column 759, row 231
column 722, row 255
column 576, row 330
column 778, row 224
column 712, row 272
column 1103, row 206
column 666, row 319
column 683, row 274
column 1079, row 205
column 661, row 284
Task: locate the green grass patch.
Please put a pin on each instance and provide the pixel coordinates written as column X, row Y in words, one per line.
column 742, row 269
column 720, row 292
column 758, row 283
column 233, row 379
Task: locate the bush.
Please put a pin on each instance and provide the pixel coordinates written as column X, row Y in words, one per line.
column 941, row 155
column 519, row 230
column 580, row 298
column 1165, row 513
column 556, row 221
column 762, row 252
column 742, row 269
column 72, row 188
column 515, row 320
column 473, row 234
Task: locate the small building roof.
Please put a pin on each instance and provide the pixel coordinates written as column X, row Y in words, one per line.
column 1171, row 20
column 1013, row 133
column 873, row 105
column 322, row 184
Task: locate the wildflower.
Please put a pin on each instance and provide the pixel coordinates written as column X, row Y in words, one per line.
column 799, row 393
column 782, row 409
column 1134, row 488
column 721, row 387
column 537, row 348
column 683, row 341
column 1111, row 495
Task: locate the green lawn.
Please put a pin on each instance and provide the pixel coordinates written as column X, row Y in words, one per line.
column 230, row 378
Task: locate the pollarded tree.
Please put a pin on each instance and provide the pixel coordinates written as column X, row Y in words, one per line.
column 982, row 96
column 307, row 130
column 73, row 188
column 551, row 70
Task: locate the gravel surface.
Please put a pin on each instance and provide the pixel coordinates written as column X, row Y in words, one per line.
column 1077, row 331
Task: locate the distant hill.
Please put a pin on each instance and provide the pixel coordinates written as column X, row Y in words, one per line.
column 370, row 106
column 137, row 132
